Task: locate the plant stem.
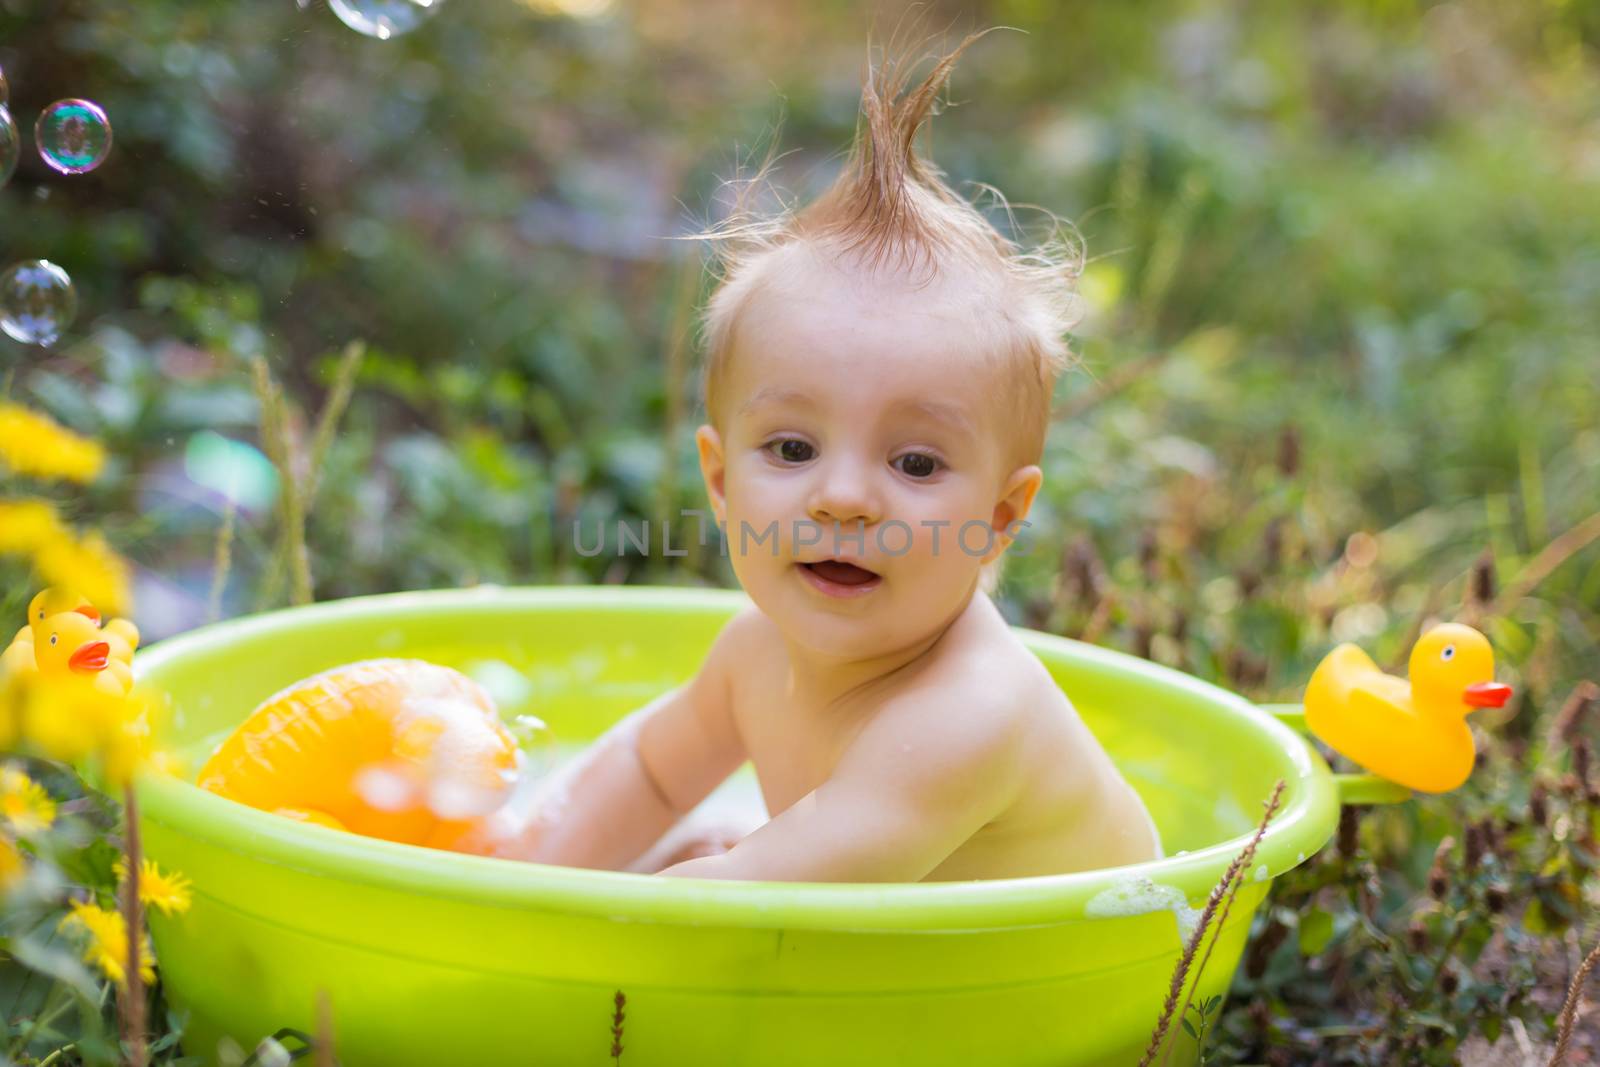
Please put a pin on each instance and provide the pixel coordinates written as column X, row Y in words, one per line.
column 1569, row 1010
column 1552, row 556
column 1182, row 970
column 1232, row 879
column 48, row 1060
column 275, row 435
column 133, row 1000
column 221, row 562
column 48, row 1013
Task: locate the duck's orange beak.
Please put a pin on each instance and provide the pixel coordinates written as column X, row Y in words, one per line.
column 89, row 610
column 1487, row 694
column 90, row 657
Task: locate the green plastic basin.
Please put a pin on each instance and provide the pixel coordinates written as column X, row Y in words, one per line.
column 430, row 957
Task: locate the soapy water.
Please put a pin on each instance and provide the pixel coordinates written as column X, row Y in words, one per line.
column 508, row 686
column 1137, row 895
column 74, row 136
column 384, row 19
column 10, row 144
column 37, row 302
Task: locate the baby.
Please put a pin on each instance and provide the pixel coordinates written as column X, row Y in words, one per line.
column 877, row 389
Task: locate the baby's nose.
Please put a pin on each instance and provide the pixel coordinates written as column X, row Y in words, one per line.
column 843, row 495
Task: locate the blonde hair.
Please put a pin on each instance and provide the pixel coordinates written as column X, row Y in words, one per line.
column 890, row 203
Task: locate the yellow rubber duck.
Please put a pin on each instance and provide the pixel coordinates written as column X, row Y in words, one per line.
column 1414, row 733
column 400, row 749
column 63, row 634
column 120, row 634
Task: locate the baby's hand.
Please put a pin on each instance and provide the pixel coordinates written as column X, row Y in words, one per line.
column 687, row 843
column 709, row 843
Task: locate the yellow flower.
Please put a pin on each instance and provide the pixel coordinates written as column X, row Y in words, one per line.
column 66, row 717
column 24, row 802
column 32, row 528
column 63, row 717
column 34, row 444
column 107, row 946
column 11, row 865
column 27, row 524
column 168, row 893
column 87, row 564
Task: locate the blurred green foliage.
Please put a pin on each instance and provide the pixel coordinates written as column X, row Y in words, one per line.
column 1338, row 336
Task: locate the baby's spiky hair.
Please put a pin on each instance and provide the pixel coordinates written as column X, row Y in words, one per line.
column 890, row 207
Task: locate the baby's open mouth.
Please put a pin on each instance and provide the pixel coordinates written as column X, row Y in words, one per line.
column 837, row 570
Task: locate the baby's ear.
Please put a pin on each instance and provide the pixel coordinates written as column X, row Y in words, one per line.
column 713, row 467
column 1016, row 498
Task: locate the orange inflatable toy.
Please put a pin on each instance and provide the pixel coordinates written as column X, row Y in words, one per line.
column 400, row 749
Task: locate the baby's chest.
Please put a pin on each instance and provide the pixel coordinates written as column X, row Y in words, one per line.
column 792, row 752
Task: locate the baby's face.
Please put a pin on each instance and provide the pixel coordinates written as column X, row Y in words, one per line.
column 858, row 403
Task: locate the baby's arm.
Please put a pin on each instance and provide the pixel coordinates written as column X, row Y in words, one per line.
column 928, row 772
column 623, row 792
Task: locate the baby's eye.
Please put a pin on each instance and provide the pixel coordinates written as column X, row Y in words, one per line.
column 792, row 449
column 918, row 464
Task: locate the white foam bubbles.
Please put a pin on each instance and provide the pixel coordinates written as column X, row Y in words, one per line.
column 1136, row 895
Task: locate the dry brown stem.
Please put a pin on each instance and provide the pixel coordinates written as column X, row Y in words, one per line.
column 1230, row 885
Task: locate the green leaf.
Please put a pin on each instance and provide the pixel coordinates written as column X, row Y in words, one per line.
column 1316, row 930
column 1489, row 1026
column 49, row 957
column 1188, row 1029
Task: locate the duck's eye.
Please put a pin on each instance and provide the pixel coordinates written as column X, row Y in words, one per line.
column 1449, row 652
column 52, row 639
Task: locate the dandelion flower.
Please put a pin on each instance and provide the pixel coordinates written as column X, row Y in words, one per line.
column 36, row 445
column 24, row 803
column 89, row 565
column 166, row 892
column 63, row 716
column 27, row 523
column 32, row 527
column 107, row 944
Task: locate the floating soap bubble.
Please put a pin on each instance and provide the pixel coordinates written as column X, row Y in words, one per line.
column 384, row 19
column 37, row 302
column 10, row 144
column 74, row 136
column 537, row 742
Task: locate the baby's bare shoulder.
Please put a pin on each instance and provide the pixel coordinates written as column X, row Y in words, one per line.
column 994, row 673
column 975, row 707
